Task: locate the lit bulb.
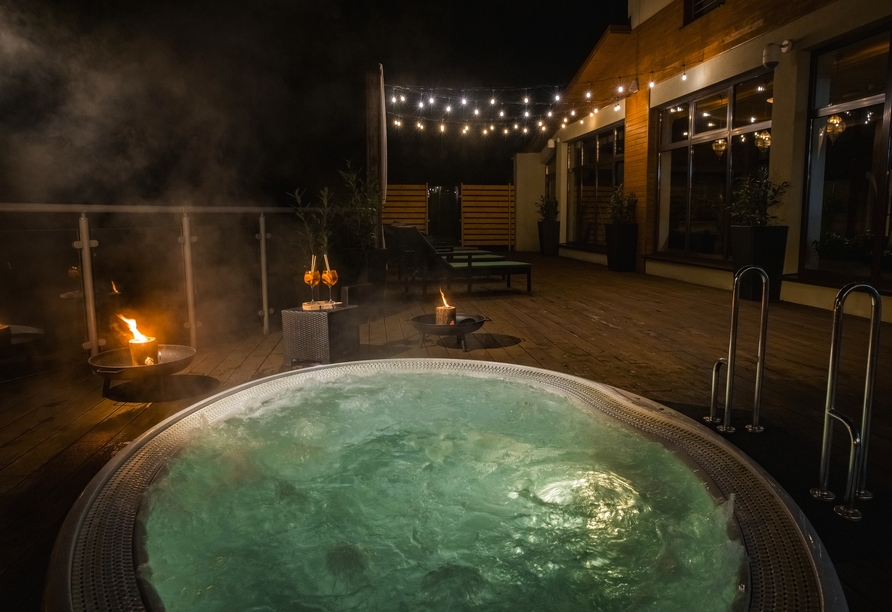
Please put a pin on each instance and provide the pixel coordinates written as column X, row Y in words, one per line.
column 651, row 84
column 493, row 128
column 393, row 99
column 516, row 126
column 557, row 98
column 484, row 132
column 543, row 128
column 431, row 100
column 752, row 119
column 588, row 94
column 448, row 109
column 421, row 105
column 565, row 120
column 540, row 124
column 442, row 128
column 596, row 111
column 684, row 73
column 526, row 100
column 549, row 113
column 506, row 130
column 573, row 112
column 616, row 106
column 501, row 113
column 619, row 89
column 591, row 114
column 464, row 100
column 526, row 114
column 476, row 112
column 524, row 130
column 402, row 98
column 492, row 100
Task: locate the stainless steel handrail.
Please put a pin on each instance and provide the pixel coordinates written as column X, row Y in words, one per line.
column 856, row 482
column 726, row 426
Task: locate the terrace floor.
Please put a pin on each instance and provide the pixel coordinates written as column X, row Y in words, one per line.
column 656, row 337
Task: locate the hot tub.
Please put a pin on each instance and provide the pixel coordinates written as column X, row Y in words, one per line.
column 516, row 528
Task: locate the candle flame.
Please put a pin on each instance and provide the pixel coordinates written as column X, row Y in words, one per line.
column 131, row 323
column 444, row 298
column 114, row 289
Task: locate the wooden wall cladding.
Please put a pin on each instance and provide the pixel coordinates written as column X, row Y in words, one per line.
column 487, row 215
column 406, row 204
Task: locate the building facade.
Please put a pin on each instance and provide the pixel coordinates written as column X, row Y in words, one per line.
column 694, row 96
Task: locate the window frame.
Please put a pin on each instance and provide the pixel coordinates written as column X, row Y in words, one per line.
column 884, row 190
column 574, row 173
column 729, row 132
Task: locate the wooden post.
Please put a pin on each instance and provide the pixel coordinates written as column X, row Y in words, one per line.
column 376, row 140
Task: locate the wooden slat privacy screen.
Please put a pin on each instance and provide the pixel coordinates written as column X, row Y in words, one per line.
column 487, row 215
column 406, row 204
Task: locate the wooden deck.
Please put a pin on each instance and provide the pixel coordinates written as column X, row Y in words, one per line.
column 653, row 336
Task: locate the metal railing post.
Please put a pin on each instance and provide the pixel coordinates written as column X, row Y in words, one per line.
column 264, row 287
column 84, row 244
column 726, row 426
column 186, row 240
column 857, row 477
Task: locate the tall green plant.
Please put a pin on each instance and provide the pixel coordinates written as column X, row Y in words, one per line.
column 622, row 206
column 548, row 208
column 753, row 196
column 318, row 221
column 362, row 207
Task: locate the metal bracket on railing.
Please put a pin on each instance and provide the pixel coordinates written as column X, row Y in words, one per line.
column 726, row 426
column 84, row 244
column 856, row 481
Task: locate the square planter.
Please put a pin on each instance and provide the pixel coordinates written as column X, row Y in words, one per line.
column 622, row 246
column 549, row 237
column 764, row 246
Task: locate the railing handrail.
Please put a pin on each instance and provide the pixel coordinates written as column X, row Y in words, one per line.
column 139, row 209
column 856, row 481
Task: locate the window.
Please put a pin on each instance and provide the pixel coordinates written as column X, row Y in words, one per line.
column 847, row 217
column 596, row 168
column 695, row 9
column 703, row 151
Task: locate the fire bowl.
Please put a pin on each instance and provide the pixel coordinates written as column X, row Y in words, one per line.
column 116, row 364
column 464, row 324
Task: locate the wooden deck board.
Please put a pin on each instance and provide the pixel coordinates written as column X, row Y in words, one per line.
column 656, row 337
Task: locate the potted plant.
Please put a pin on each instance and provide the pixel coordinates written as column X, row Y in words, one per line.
column 549, row 226
column 359, row 253
column 622, row 231
column 753, row 240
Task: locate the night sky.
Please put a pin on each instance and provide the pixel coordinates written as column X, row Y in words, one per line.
column 216, row 102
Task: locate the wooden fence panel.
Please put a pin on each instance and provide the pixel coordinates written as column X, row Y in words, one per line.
column 406, row 204
column 487, row 215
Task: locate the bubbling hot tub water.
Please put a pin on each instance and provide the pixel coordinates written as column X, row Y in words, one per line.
column 436, row 491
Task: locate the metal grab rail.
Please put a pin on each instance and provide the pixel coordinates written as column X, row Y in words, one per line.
column 726, row 426
column 856, row 481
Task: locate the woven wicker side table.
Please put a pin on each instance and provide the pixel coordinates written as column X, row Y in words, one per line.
column 320, row 336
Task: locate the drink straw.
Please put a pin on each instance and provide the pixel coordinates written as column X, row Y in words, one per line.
column 327, row 269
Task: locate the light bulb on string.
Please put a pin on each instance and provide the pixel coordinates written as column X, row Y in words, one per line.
column 516, row 126
column 619, row 89
column 442, row 128
column 492, row 100
column 493, row 128
column 651, row 83
column 526, row 113
column 464, row 100
column 393, row 99
column 476, row 111
column 506, row 130
column 526, row 100
column 573, row 112
column 616, row 106
column 684, row 73
column 448, row 109
column 501, row 113
column 421, row 104
column 549, row 113
column 544, row 128
column 557, row 98
column 596, row 111
column 588, row 95
column 431, row 101
column 525, row 130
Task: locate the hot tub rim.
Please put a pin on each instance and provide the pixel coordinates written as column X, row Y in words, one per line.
column 58, row 591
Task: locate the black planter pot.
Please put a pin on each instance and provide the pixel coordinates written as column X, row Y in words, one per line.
column 622, row 246
column 549, row 237
column 763, row 246
column 359, row 267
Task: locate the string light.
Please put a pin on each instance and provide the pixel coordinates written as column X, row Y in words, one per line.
column 684, row 73
column 393, row 99
column 619, row 89
column 651, row 83
column 526, row 100
column 464, row 100
column 476, row 111
column 442, row 128
column 431, row 100
column 588, row 95
column 501, row 113
column 616, row 106
column 402, row 98
column 557, row 98
column 421, row 104
column 448, row 109
column 492, row 100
